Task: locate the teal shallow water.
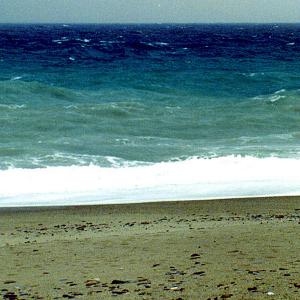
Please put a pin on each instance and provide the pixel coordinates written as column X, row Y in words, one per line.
column 46, row 125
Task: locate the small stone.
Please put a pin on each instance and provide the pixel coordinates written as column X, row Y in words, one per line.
column 82, row 227
column 270, row 293
column 201, row 273
column 143, row 279
column 195, row 255
column 297, row 285
column 69, row 296
column 120, row 292
column 225, row 296
column 252, row 289
column 9, row 281
column 279, row 216
column 10, row 296
column 116, row 281
column 253, row 272
column 92, row 282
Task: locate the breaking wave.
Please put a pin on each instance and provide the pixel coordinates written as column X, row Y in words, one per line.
column 194, row 178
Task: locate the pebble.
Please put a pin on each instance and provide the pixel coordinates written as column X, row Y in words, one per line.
column 119, row 292
column 116, row 281
column 201, row 273
column 9, row 281
column 195, row 255
column 92, row 282
column 225, row 296
column 10, row 296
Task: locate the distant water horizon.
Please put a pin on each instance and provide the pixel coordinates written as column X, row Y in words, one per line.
column 115, row 113
column 150, row 23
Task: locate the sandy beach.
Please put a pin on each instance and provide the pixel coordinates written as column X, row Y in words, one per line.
column 237, row 249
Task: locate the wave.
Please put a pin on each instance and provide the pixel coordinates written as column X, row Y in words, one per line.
column 194, row 178
column 11, row 106
column 17, row 90
column 281, row 96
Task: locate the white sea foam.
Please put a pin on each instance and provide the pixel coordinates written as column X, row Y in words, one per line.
column 275, row 98
column 195, row 178
column 16, row 78
column 277, row 95
column 161, row 43
column 12, row 106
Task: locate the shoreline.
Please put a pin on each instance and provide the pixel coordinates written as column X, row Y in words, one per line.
column 237, row 249
column 113, row 203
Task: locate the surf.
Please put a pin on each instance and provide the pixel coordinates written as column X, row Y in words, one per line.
column 193, row 178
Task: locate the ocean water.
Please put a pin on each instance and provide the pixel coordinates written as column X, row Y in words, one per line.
column 129, row 113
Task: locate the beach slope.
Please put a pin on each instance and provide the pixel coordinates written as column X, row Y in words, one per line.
column 237, row 249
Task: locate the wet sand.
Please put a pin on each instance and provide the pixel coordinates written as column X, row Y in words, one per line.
column 237, row 249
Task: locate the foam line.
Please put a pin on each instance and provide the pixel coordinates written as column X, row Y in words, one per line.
column 195, row 178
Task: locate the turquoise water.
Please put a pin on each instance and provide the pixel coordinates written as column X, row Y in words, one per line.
column 45, row 125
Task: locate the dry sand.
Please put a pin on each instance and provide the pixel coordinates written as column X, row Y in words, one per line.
column 237, row 249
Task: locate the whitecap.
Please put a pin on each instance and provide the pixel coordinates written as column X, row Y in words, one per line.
column 16, row 78
column 161, row 43
column 57, row 41
column 280, row 91
column 275, row 98
column 71, row 106
column 13, row 106
column 83, row 40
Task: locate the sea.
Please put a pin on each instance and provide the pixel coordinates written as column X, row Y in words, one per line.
column 119, row 113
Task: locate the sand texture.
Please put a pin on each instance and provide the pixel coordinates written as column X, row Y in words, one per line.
column 237, row 249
